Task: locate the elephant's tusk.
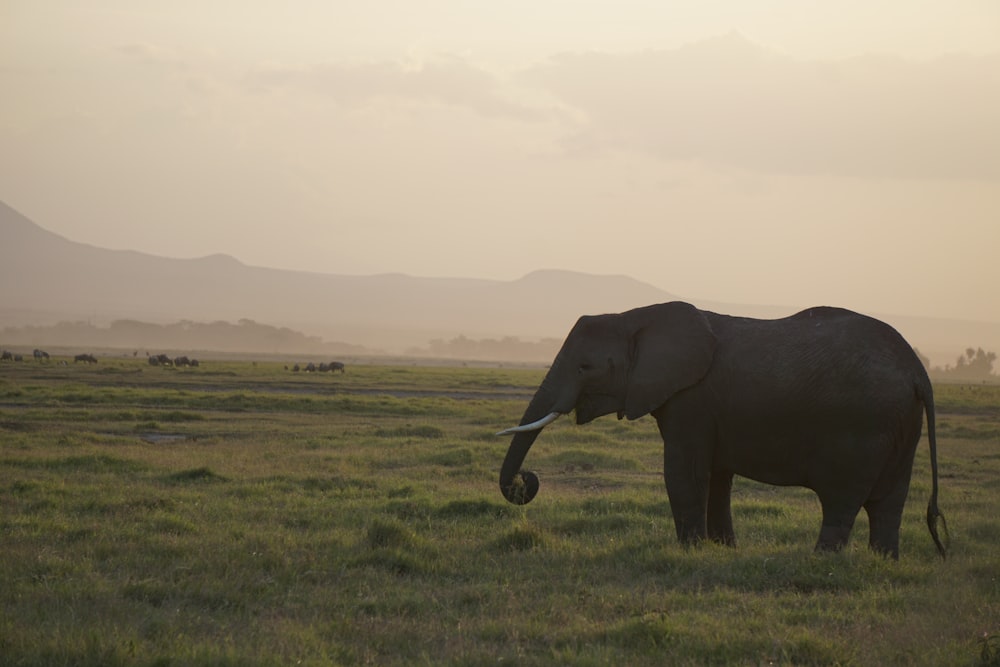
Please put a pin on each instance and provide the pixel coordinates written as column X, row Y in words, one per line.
column 533, row 426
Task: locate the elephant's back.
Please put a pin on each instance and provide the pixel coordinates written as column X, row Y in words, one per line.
column 830, row 352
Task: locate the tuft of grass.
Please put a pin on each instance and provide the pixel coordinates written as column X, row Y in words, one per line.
column 393, row 547
column 974, row 433
column 175, row 416
column 86, row 463
column 395, row 561
column 759, row 510
column 520, row 538
column 588, row 460
column 989, row 650
column 194, row 475
column 425, row 431
column 473, row 509
column 383, row 533
column 453, row 457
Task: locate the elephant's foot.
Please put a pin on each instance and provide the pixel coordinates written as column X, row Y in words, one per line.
column 833, row 538
column 691, row 528
column 886, row 550
column 884, row 518
column 725, row 539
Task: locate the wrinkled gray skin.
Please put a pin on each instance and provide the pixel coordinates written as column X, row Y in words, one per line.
column 826, row 399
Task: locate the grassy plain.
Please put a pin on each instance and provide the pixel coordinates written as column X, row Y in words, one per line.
column 241, row 514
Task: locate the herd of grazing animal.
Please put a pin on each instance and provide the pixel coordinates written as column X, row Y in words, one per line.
column 39, row 355
column 87, row 358
column 332, row 367
column 43, row 356
column 175, row 362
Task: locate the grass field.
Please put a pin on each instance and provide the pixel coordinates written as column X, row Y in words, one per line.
column 240, row 514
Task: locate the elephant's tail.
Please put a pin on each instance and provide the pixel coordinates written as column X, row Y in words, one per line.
column 934, row 515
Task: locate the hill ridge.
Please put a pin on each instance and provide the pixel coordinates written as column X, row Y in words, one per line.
column 51, row 279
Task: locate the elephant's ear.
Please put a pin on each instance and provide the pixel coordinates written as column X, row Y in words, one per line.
column 672, row 346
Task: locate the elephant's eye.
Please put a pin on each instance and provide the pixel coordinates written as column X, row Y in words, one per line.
column 584, row 368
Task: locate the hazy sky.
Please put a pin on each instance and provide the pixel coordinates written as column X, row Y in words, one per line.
column 772, row 152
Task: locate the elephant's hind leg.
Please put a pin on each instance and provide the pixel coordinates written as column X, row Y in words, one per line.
column 884, row 517
column 884, row 521
column 833, row 538
column 885, row 507
column 843, row 477
column 838, row 520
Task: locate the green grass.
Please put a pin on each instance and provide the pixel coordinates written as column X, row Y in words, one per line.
column 239, row 514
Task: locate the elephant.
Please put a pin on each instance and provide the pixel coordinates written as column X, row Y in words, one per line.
column 826, row 399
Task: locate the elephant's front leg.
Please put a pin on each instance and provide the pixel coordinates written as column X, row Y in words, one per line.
column 720, row 517
column 687, row 487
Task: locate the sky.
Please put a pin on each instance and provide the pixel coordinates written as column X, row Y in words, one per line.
column 776, row 152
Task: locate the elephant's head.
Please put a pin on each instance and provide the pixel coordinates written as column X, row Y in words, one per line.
column 628, row 363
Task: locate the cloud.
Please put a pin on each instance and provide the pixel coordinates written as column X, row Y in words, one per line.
column 152, row 54
column 727, row 101
column 448, row 81
column 194, row 73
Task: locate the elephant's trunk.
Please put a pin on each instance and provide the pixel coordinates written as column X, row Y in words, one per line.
column 520, row 486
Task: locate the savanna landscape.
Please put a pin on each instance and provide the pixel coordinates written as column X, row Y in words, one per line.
column 242, row 514
column 278, row 275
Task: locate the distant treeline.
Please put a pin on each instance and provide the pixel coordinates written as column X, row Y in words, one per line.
column 509, row 348
column 974, row 366
column 243, row 336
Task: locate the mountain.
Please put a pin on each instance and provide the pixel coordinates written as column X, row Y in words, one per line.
column 48, row 279
column 58, row 280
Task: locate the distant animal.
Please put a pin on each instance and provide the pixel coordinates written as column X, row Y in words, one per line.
column 182, row 361
column 86, row 358
column 6, row 356
column 194, row 363
column 310, row 367
column 160, row 360
column 295, row 368
column 40, row 355
column 331, row 367
column 18, row 358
